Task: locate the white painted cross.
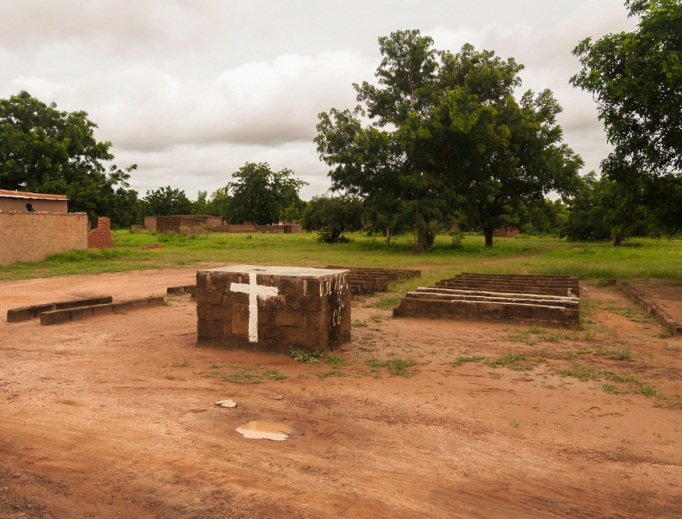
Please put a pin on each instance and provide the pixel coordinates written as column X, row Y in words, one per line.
column 255, row 291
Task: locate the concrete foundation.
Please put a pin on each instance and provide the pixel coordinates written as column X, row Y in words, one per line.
column 273, row 308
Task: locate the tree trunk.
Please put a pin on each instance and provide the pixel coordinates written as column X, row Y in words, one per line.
column 488, row 231
column 617, row 240
column 388, row 235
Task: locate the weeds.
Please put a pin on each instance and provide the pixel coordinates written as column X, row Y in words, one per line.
column 333, row 373
column 309, row 356
column 273, row 374
column 336, row 361
column 513, row 361
column 184, row 364
column 463, row 360
column 359, row 324
column 396, row 367
column 647, row 389
column 387, row 302
column 241, row 377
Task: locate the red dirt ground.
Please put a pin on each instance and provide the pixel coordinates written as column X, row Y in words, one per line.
column 668, row 297
column 114, row 417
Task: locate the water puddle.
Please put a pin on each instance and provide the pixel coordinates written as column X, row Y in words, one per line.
column 265, row 431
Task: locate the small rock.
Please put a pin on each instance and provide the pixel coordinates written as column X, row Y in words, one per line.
column 226, row 403
column 278, row 397
column 17, row 475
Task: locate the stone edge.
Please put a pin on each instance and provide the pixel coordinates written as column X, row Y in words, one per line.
column 673, row 327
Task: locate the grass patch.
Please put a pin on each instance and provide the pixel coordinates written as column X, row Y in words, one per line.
column 581, row 372
column 333, row 373
column 464, row 360
column 309, row 356
column 336, row 361
column 513, row 361
column 242, row 377
column 396, row 367
column 647, row 389
column 387, row 302
column 181, row 364
column 357, row 323
column 536, row 334
column 273, row 374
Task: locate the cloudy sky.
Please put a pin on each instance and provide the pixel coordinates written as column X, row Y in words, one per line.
column 190, row 90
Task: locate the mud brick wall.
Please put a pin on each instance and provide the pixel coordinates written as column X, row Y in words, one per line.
column 34, row 236
column 178, row 222
column 101, row 236
column 307, row 308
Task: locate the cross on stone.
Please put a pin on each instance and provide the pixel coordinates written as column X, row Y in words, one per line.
column 254, row 290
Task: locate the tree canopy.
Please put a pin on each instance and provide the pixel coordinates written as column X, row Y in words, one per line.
column 636, row 80
column 260, row 196
column 167, row 201
column 45, row 150
column 332, row 216
column 446, row 139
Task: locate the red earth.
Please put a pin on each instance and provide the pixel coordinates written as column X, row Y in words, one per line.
column 115, row 416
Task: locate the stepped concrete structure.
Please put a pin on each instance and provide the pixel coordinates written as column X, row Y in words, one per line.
column 541, row 300
column 276, row 309
column 367, row 281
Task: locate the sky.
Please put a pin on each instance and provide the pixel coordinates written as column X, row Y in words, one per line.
column 191, row 90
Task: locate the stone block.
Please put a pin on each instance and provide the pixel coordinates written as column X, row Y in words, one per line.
column 273, row 308
column 81, row 313
column 55, row 317
column 39, row 309
column 102, row 309
column 137, row 303
column 155, row 301
column 209, row 297
column 16, row 315
column 122, row 307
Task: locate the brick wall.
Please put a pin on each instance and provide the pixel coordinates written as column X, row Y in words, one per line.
column 101, row 236
column 33, row 237
column 178, row 222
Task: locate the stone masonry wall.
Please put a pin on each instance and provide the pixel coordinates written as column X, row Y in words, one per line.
column 34, row 236
column 302, row 308
column 101, row 236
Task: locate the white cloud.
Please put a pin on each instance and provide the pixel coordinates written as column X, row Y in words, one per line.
column 192, row 89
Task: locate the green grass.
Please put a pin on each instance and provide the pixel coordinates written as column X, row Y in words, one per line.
column 309, row 356
column 638, row 258
column 396, row 367
column 464, row 360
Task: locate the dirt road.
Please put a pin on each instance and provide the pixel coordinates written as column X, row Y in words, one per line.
column 115, row 416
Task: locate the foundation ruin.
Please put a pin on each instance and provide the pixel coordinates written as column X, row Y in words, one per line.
column 547, row 300
column 273, row 308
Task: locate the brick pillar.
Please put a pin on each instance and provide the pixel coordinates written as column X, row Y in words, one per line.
column 101, row 236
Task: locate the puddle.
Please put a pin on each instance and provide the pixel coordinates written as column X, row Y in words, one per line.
column 265, row 431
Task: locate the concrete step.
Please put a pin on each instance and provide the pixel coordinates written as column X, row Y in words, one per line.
column 535, row 314
column 496, row 297
column 516, row 289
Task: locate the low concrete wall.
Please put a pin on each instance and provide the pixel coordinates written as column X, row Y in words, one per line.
column 34, row 236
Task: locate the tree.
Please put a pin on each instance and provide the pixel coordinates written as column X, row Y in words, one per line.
column 446, row 136
column 499, row 154
column 389, row 162
column 332, row 216
column 45, row 150
column 167, row 201
column 603, row 209
column 636, row 80
column 259, row 195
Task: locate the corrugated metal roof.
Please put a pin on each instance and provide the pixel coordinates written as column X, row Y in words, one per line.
column 25, row 194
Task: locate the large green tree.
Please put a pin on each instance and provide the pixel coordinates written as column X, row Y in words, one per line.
column 260, row 196
column 446, row 137
column 636, row 80
column 167, row 201
column 332, row 216
column 46, row 150
column 499, row 154
column 390, row 162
